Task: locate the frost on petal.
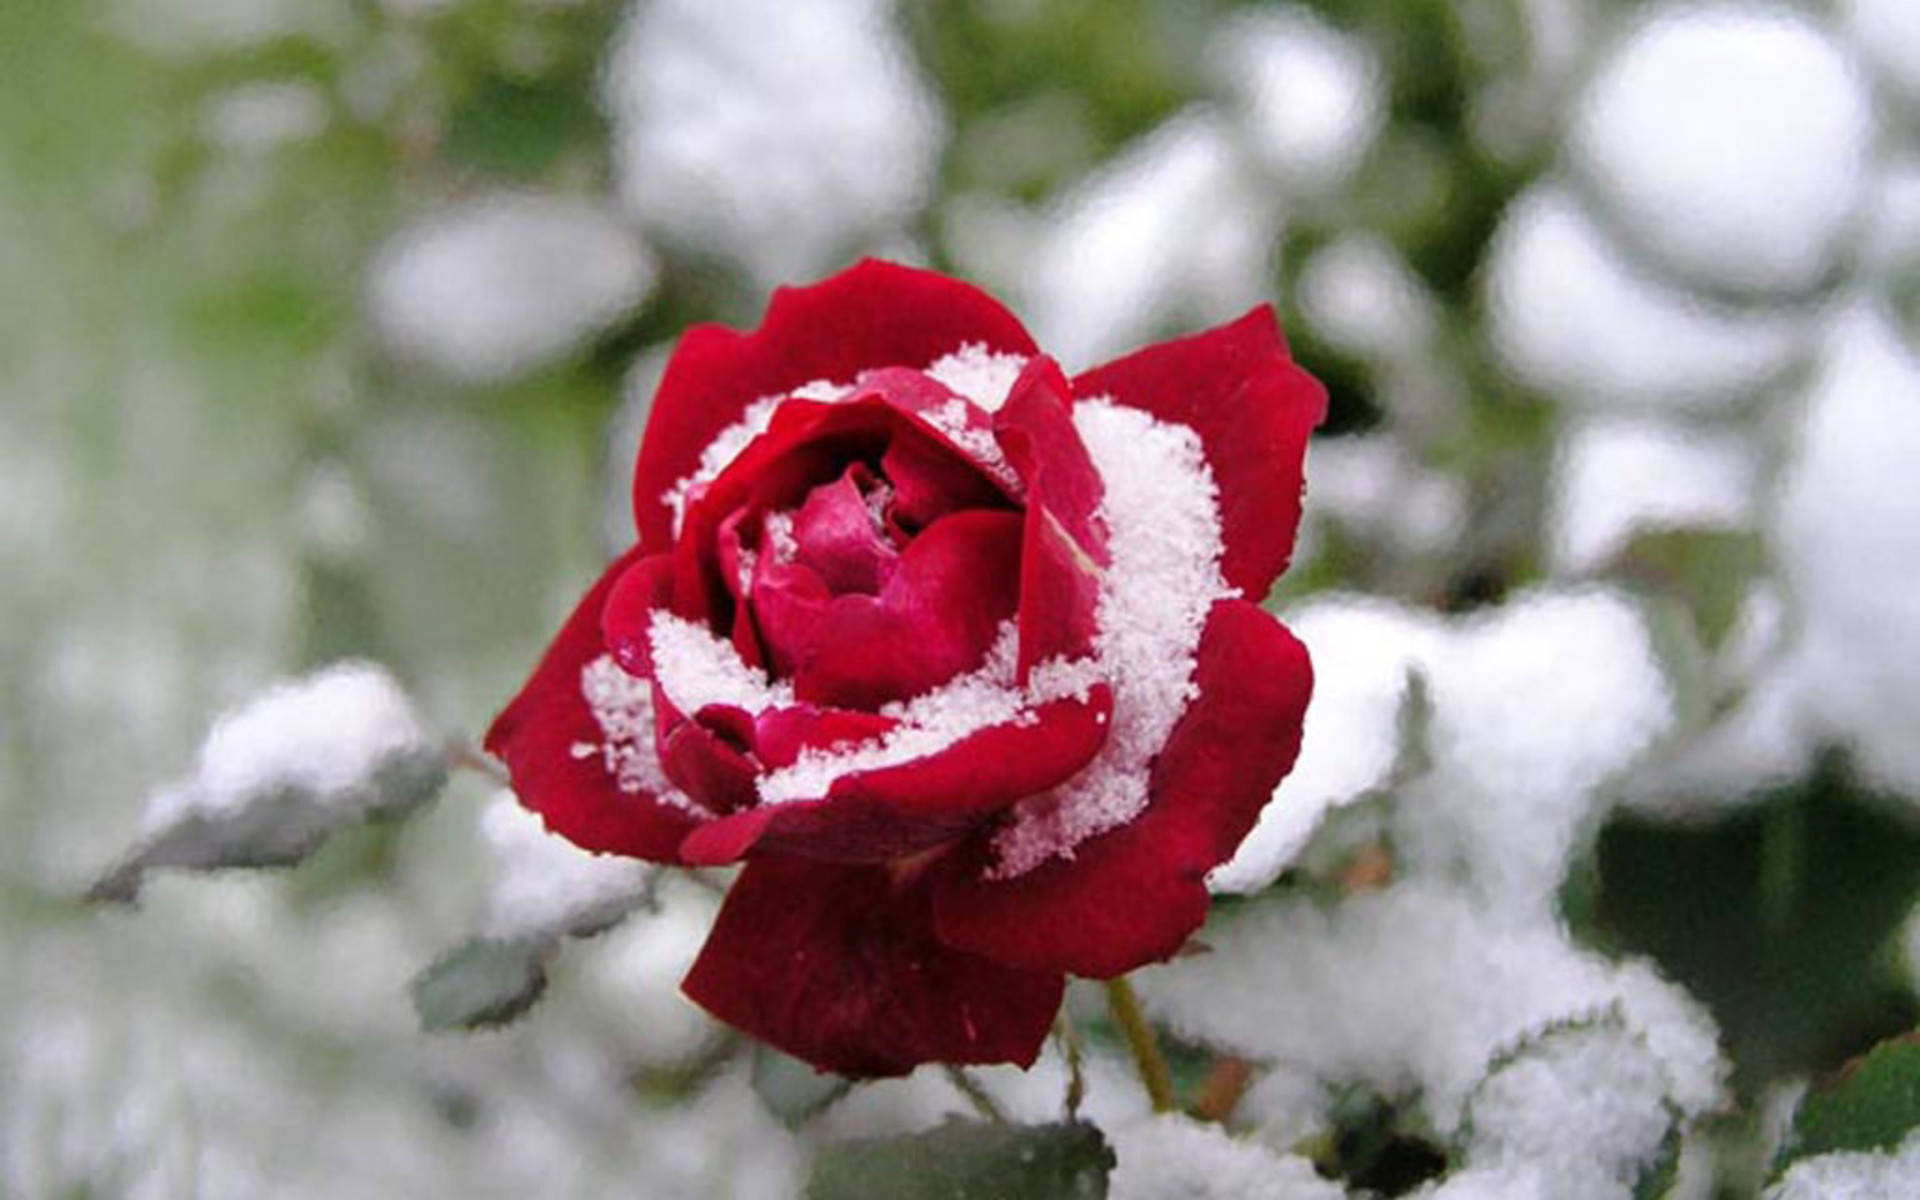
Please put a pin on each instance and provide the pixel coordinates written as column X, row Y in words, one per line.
column 733, row 146
column 1173, row 1155
column 544, row 884
column 1327, row 991
column 1750, row 181
column 507, row 283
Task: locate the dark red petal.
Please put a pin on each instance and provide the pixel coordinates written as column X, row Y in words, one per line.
column 537, row 732
column 933, row 478
column 888, row 812
column 838, row 966
column 627, row 614
column 1066, row 548
column 790, row 603
column 1133, row 895
column 701, row 763
column 936, row 618
column 1253, row 409
column 836, row 536
column 780, row 735
column 875, row 314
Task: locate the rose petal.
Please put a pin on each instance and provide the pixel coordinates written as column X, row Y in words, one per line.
column 838, row 966
column 627, row 614
column 874, row 314
column 789, row 604
column 837, row 537
column 936, row 618
column 700, row 762
column 1253, row 409
column 781, row 735
column 1133, row 895
column 1066, row 548
column 537, row 733
column 886, row 812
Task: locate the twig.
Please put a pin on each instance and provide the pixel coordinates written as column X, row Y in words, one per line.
column 1069, row 1035
column 1147, row 1059
column 976, row 1095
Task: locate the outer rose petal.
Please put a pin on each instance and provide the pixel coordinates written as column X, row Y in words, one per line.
column 838, row 965
column 888, row 812
column 874, row 314
column 1133, row 896
column 1253, row 409
column 536, row 733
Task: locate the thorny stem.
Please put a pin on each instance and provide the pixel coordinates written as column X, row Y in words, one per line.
column 976, row 1095
column 1069, row 1035
column 1147, row 1058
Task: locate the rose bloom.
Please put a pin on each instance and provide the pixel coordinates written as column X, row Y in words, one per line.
column 961, row 657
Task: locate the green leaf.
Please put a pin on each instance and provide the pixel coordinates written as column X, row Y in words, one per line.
column 1707, row 571
column 482, row 983
column 793, row 1090
column 965, row 1160
column 1872, row 1104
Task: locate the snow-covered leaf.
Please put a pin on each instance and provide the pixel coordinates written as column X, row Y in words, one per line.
column 281, row 772
column 962, row 1160
column 482, row 983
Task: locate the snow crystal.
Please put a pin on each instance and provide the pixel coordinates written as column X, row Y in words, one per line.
column 1853, row 1175
column 1618, row 476
column 983, row 376
column 954, row 421
column 1329, row 990
column 935, row 720
column 1570, row 315
column 1309, row 96
column 1733, row 139
column 1848, row 536
column 1363, row 652
column 622, row 705
column 325, row 734
column 544, row 884
column 731, row 144
column 1173, row 1155
column 695, row 668
column 499, row 285
column 1590, row 1100
column 1163, row 521
column 1175, row 226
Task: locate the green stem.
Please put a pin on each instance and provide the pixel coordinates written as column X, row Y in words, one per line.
column 1148, row 1060
column 976, row 1095
column 1069, row 1035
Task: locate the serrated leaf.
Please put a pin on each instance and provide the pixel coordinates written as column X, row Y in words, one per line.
column 792, row 1090
column 1873, row 1104
column 481, row 983
column 965, row 1160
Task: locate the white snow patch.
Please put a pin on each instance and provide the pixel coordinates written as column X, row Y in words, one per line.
column 500, row 285
column 1416, row 986
column 1163, row 521
column 1848, row 536
column 257, row 117
column 324, row 734
column 1172, row 1155
column 1733, row 138
column 781, row 151
column 1616, row 476
column 1360, row 295
column 622, row 705
column 981, row 375
column 1853, row 1175
column 1570, row 315
column 544, row 884
column 695, row 668
column 1887, row 33
column 1308, row 95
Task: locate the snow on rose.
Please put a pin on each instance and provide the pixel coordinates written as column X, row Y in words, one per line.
column 961, row 657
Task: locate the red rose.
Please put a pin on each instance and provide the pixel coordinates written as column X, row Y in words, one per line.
column 962, row 657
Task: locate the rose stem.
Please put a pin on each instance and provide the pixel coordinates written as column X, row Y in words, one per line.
column 461, row 754
column 1069, row 1036
column 1147, row 1058
column 975, row 1094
